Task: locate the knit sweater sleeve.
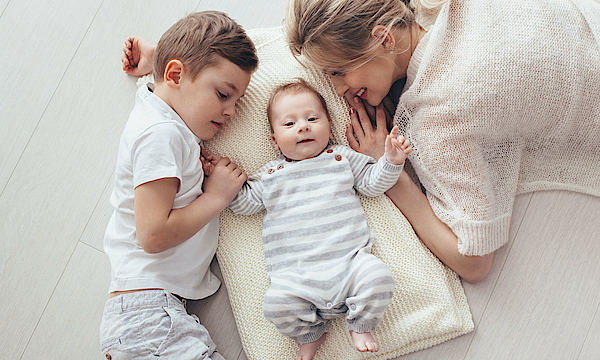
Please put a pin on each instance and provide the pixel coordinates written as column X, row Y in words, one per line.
column 488, row 103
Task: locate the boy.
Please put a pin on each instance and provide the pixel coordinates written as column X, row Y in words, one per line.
column 163, row 233
column 315, row 236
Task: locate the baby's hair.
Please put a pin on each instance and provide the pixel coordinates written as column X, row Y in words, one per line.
column 199, row 39
column 295, row 87
column 336, row 34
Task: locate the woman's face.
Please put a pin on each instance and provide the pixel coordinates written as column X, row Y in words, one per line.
column 371, row 82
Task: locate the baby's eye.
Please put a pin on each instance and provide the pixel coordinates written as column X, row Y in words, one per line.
column 312, row 119
column 289, row 123
column 222, row 96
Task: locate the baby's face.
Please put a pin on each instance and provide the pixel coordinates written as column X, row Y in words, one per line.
column 301, row 129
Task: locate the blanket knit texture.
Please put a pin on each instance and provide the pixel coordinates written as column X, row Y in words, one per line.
column 429, row 305
column 503, row 98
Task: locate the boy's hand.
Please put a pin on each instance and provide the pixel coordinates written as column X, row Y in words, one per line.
column 209, row 161
column 225, row 180
column 396, row 148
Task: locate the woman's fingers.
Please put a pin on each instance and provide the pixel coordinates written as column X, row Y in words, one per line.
column 354, row 145
column 356, row 125
column 363, row 117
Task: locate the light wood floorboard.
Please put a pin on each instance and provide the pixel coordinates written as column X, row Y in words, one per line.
column 548, row 292
column 39, row 39
column 591, row 347
column 75, row 310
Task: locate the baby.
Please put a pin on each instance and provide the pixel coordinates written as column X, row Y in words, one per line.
column 316, row 240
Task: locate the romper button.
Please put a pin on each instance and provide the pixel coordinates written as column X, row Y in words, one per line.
column 352, row 307
column 313, row 307
column 338, row 157
column 329, row 151
column 271, row 171
column 280, row 166
column 329, row 305
column 108, row 356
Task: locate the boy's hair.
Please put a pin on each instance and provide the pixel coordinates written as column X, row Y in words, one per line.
column 296, row 87
column 336, row 34
column 199, row 39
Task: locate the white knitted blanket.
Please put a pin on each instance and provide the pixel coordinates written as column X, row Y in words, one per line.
column 502, row 98
column 429, row 305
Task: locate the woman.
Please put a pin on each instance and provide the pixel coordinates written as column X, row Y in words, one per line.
column 512, row 86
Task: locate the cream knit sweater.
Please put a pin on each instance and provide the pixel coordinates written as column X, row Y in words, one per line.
column 502, row 98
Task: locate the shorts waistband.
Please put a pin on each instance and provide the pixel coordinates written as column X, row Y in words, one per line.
column 139, row 299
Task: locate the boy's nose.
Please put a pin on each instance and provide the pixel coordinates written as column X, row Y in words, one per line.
column 229, row 111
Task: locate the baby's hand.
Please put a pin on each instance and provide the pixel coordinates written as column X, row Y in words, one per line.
column 396, row 148
column 225, row 180
column 209, row 161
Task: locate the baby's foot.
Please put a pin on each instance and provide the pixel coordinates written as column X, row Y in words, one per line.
column 137, row 56
column 307, row 351
column 364, row 341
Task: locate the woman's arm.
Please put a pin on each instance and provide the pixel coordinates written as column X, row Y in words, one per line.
column 436, row 235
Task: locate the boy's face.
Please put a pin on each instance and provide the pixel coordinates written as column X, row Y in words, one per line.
column 208, row 102
column 301, row 129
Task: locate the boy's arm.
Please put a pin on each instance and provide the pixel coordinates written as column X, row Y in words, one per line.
column 160, row 227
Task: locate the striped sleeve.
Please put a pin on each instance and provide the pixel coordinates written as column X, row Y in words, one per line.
column 249, row 199
column 372, row 178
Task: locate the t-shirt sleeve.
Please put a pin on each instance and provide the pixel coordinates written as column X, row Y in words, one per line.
column 157, row 154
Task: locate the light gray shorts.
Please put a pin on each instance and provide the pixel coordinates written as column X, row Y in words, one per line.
column 153, row 324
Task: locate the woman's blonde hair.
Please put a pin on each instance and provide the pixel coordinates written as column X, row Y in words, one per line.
column 336, row 34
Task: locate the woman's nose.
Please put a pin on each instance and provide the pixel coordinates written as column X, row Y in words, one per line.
column 339, row 84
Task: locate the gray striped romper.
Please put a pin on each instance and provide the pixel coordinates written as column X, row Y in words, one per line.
column 317, row 243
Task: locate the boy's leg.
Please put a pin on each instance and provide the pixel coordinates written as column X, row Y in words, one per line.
column 147, row 324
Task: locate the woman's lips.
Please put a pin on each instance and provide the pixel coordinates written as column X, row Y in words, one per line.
column 362, row 93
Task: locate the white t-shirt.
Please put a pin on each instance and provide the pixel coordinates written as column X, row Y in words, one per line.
column 157, row 144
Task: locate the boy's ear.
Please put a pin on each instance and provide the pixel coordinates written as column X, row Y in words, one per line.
column 173, row 73
column 274, row 141
column 380, row 33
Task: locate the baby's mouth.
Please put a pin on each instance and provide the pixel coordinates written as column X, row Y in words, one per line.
column 305, row 141
column 218, row 125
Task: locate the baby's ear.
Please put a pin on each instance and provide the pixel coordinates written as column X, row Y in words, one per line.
column 274, row 141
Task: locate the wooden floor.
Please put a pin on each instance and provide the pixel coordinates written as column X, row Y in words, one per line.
column 63, row 103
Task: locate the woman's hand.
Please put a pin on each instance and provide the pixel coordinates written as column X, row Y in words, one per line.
column 364, row 136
